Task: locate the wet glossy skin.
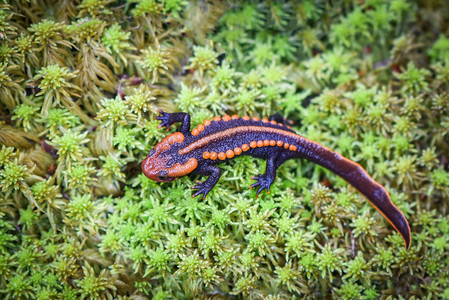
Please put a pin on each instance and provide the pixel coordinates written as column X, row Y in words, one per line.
column 223, row 138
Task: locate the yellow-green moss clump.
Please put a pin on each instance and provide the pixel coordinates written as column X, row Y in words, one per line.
column 81, row 82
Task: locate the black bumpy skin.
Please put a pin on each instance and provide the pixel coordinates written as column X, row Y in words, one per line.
column 223, row 138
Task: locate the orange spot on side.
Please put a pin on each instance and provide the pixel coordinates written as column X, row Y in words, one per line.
column 280, row 124
column 292, row 147
column 259, row 144
column 221, row 156
column 226, row 118
column 273, row 122
column 229, row 153
column 264, row 120
column 286, row 145
column 245, row 147
column 217, row 118
column 206, row 155
column 237, row 151
column 176, row 137
column 206, row 122
column 253, row 144
column 246, row 118
column 179, row 170
column 279, row 143
column 195, row 132
column 266, row 143
column 234, row 117
column 200, row 127
column 255, row 118
column 272, row 143
column 213, row 155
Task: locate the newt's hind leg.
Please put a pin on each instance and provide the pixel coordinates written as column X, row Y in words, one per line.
column 264, row 181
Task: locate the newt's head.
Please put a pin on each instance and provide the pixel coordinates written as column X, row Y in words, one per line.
column 160, row 166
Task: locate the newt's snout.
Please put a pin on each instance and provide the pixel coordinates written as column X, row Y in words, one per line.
column 164, row 166
column 154, row 168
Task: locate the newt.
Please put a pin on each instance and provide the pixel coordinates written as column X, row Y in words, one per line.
column 224, row 138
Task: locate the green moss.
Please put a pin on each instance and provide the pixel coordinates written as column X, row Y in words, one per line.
column 81, row 83
column 93, row 285
column 156, row 62
column 13, row 176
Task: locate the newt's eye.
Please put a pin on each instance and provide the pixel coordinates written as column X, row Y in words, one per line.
column 162, row 175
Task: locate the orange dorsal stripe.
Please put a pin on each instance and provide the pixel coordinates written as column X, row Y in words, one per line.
column 233, row 131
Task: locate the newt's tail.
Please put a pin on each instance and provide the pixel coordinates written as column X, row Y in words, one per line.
column 354, row 174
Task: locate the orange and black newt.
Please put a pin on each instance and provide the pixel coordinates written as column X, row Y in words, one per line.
column 223, row 138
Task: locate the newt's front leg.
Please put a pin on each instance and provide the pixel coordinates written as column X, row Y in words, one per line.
column 214, row 174
column 168, row 119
